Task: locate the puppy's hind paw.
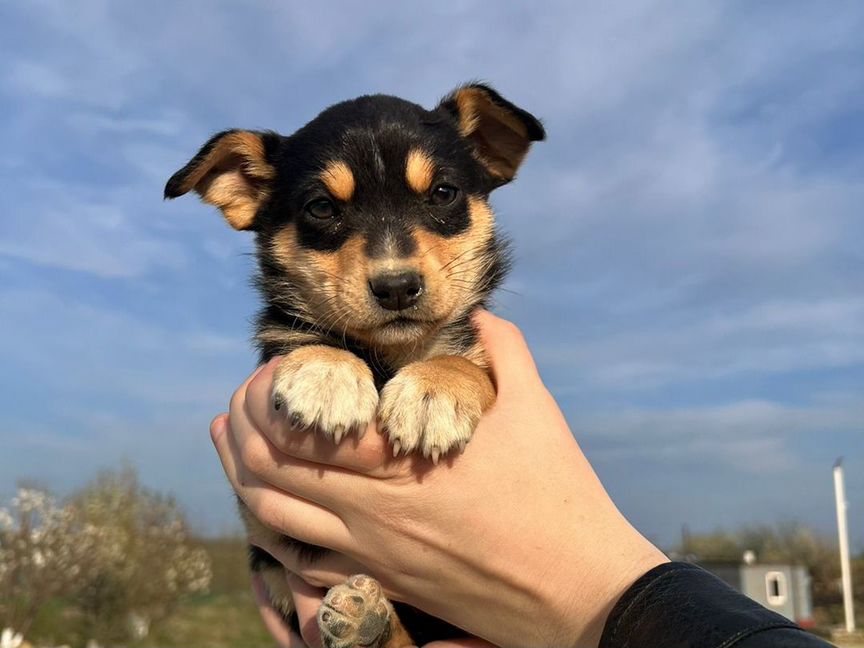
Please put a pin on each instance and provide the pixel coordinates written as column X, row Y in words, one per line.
column 355, row 613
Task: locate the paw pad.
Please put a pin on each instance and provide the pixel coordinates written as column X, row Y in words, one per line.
column 354, row 614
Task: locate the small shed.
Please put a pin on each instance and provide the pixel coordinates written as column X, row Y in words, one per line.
column 780, row 587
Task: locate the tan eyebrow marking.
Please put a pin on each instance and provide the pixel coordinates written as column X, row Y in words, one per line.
column 419, row 170
column 339, row 180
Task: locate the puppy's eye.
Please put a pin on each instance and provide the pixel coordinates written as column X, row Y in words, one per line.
column 321, row 209
column 443, row 194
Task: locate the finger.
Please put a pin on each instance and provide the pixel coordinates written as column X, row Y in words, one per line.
column 257, row 456
column 461, row 642
column 276, row 626
column 307, row 600
column 509, row 357
column 325, row 570
column 282, row 512
column 241, row 390
column 366, row 452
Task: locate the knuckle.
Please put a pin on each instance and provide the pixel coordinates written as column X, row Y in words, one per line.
column 268, row 514
column 262, row 379
column 217, row 425
column 237, row 399
column 277, row 517
column 512, row 332
column 252, row 456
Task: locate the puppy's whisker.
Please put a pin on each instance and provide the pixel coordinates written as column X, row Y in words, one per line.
column 377, row 364
column 456, row 258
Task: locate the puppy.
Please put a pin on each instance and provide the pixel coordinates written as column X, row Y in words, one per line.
column 375, row 242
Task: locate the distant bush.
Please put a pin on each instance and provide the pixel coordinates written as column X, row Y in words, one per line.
column 118, row 553
column 789, row 543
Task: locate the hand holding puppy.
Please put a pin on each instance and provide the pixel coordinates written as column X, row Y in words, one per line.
column 515, row 541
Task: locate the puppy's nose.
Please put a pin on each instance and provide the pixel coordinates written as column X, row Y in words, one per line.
column 397, row 291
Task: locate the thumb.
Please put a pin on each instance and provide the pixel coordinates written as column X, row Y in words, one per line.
column 307, row 600
column 510, row 359
column 461, row 642
column 273, row 621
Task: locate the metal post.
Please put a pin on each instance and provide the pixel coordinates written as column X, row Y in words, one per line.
column 843, row 533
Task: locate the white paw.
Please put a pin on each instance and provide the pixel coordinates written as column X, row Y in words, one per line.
column 324, row 388
column 423, row 409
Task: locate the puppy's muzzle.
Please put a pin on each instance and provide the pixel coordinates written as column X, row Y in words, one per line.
column 397, row 291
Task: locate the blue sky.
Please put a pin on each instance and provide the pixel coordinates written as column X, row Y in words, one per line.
column 690, row 260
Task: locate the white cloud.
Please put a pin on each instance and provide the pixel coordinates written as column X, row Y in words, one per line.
column 740, row 420
column 84, row 352
column 749, row 436
column 39, row 79
column 764, row 338
column 758, row 455
column 58, row 225
column 94, row 123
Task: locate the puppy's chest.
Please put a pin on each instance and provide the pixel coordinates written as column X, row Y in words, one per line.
column 280, row 338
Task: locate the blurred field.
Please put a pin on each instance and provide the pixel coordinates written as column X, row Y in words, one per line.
column 219, row 621
column 842, row 640
column 224, row 617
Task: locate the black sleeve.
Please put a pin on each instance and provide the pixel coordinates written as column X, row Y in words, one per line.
column 679, row 605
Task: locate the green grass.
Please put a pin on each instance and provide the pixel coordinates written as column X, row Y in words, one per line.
column 224, row 618
column 217, row 621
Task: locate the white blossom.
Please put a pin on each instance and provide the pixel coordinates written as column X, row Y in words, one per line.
column 10, row 639
column 114, row 534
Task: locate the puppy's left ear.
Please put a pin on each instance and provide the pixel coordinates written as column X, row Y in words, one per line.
column 500, row 132
column 230, row 171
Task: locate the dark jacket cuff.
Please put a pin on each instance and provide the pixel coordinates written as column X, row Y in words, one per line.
column 680, row 605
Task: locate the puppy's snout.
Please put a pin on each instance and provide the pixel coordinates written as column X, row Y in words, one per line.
column 397, row 291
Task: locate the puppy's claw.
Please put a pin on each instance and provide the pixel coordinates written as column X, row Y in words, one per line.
column 278, row 401
column 338, row 432
column 324, row 390
column 462, row 445
column 436, row 453
column 397, row 446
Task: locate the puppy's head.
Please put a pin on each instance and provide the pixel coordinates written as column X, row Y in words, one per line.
column 373, row 219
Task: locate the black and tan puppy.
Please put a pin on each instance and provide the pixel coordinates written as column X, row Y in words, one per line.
column 375, row 243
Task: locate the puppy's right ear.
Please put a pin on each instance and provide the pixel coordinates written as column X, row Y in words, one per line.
column 500, row 132
column 230, row 171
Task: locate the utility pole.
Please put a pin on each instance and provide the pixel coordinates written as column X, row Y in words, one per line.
column 843, row 533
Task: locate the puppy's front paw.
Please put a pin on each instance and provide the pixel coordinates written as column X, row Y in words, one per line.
column 433, row 406
column 328, row 389
column 355, row 613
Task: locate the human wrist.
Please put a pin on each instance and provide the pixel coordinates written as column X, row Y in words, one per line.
column 581, row 594
column 640, row 563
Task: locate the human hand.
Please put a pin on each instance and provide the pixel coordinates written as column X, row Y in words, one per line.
column 305, row 597
column 515, row 540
